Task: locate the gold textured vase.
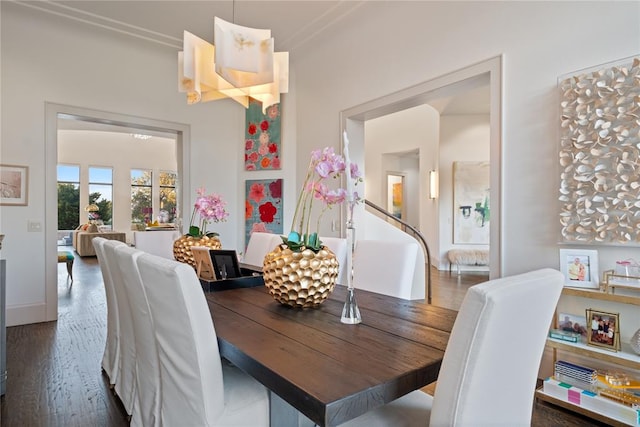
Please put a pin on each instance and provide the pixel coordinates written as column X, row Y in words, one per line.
column 182, row 247
column 300, row 279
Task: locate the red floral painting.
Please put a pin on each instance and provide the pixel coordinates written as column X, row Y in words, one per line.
column 263, row 206
column 262, row 137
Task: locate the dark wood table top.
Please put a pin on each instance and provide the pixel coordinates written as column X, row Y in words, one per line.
column 329, row 371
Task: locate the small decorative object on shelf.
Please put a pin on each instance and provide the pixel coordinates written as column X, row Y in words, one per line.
column 564, row 335
column 302, row 272
column 635, row 342
column 618, row 278
column 209, row 209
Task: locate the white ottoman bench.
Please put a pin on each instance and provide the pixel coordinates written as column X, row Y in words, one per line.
column 467, row 257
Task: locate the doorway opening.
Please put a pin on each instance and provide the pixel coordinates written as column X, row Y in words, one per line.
column 57, row 116
column 429, row 96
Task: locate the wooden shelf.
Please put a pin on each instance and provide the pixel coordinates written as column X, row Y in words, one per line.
column 541, row 395
column 596, row 294
column 624, row 358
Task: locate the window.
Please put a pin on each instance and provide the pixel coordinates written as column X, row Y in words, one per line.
column 101, row 194
column 167, row 196
column 141, row 201
column 68, row 197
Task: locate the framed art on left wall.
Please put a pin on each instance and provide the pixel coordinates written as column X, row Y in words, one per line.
column 14, row 185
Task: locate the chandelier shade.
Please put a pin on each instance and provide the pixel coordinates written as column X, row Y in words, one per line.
column 241, row 65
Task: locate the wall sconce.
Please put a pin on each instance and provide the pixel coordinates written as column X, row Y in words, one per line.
column 433, row 184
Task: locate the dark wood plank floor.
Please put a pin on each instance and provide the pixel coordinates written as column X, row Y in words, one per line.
column 54, row 369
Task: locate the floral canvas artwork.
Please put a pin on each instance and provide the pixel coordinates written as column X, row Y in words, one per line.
column 262, row 137
column 263, row 206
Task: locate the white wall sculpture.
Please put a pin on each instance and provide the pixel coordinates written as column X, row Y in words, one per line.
column 600, row 154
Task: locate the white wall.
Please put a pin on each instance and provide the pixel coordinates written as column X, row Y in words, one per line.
column 402, row 44
column 416, row 128
column 47, row 58
column 462, row 138
column 105, row 149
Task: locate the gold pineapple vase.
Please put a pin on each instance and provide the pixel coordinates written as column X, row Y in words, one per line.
column 300, row 279
column 182, row 247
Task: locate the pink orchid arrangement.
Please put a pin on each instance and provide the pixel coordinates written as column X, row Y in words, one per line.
column 325, row 164
column 210, row 208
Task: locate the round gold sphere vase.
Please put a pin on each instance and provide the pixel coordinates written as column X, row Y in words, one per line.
column 182, row 247
column 300, row 279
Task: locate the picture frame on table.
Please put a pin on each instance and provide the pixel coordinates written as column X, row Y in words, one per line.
column 225, row 264
column 14, row 185
column 604, row 329
column 580, row 268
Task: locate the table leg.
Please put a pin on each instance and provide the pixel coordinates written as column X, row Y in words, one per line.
column 284, row 415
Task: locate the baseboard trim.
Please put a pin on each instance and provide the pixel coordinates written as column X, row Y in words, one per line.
column 26, row 314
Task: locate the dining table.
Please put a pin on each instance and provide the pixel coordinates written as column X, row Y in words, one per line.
column 328, row 371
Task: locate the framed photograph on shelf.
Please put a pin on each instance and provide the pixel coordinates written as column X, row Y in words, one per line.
column 14, row 185
column 571, row 323
column 604, row 329
column 580, row 268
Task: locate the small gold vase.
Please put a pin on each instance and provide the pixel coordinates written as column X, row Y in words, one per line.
column 182, row 247
column 300, row 279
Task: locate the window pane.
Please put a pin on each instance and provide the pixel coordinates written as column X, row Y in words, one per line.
column 68, row 173
column 140, row 177
column 101, row 194
column 68, row 199
column 167, row 196
column 141, row 210
column 68, row 206
column 100, row 175
column 141, row 202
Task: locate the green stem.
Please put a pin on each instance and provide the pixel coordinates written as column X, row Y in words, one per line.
column 301, row 197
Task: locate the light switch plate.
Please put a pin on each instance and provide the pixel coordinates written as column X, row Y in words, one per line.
column 34, row 226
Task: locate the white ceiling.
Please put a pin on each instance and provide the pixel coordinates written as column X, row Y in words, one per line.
column 294, row 24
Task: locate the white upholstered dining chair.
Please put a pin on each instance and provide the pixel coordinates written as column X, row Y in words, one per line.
column 338, row 246
column 491, row 362
column 259, row 245
column 146, row 408
column 111, row 356
column 125, row 386
column 387, row 267
column 197, row 388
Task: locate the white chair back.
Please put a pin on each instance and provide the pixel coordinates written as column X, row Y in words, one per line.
column 111, row 356
column 190, row 367
column 125, row 378
column 158, row 242
column 339, row 247
column 147, row 373
column 194, row 390
column 386, row 267
column 259, row 245
column 490, row 367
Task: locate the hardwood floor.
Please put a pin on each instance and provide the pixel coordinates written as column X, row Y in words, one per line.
column 54, row 373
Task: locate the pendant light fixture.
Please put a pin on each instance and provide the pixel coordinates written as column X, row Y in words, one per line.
column 242, row 64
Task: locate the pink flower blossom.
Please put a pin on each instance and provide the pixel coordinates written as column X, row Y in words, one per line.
column 248, row 144
column 259, row 227
column 256, row 192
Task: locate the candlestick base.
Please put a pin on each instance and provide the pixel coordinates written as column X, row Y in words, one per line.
column 350, row 311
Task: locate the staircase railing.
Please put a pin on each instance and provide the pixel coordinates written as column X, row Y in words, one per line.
column 416, row 234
